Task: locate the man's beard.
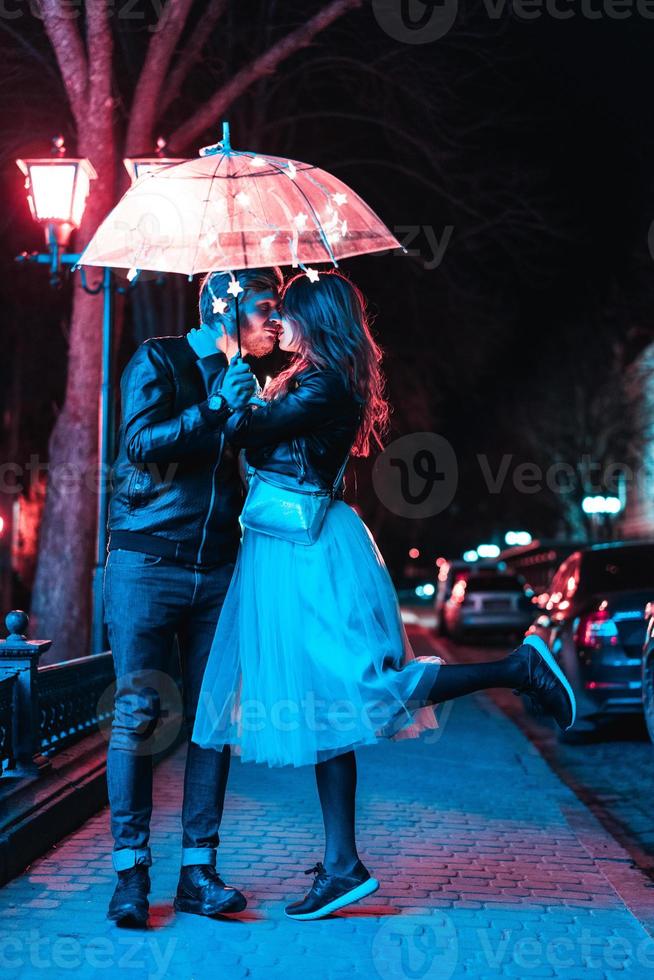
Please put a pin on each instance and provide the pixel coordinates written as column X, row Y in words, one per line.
column 260, row 346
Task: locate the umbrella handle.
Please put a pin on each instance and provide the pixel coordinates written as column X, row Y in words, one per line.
column 238, row 327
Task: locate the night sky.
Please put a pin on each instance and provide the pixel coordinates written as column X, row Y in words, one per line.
column 530, row 140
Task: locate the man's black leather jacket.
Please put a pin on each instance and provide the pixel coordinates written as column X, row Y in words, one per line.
column 307, row 432
column 174, row 476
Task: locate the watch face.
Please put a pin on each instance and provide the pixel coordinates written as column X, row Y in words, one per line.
column 216, row 401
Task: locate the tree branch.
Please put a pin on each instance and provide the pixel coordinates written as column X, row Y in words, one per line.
column 265, row 64
column 191, row 54
column 157, row 60
column 71, row 56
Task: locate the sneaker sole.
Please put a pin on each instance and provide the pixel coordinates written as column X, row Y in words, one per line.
column 354, row 895
column 234, row 904
column 541, row 647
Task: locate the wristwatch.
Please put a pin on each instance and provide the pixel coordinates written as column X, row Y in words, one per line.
column 218, row 402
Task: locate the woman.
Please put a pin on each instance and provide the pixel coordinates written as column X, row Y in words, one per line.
column 310, row 657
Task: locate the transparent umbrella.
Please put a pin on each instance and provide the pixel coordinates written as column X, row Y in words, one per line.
column 231, row 209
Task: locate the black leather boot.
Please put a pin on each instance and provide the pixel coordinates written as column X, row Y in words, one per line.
column 201, row 890
column 129, row 904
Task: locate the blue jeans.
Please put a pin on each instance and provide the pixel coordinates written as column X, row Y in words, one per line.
column 148, row 601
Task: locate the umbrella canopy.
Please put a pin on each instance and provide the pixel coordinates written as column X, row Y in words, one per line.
column 229, row 210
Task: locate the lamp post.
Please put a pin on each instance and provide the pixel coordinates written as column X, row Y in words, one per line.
column 57, row 189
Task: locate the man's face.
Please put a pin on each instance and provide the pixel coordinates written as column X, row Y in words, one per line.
column 260, row 321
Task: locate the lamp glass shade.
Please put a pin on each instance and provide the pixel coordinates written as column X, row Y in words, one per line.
column 137, row 166
column 57, row 189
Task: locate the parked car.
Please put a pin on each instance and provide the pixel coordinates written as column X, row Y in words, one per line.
column 485, row 602
column 449, row 573
column 594, row 621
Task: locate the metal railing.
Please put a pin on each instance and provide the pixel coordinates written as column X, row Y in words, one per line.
column 74, row 699
column 46, row 709
column 7, row 695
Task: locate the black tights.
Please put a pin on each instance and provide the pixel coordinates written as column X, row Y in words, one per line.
column 337, row 778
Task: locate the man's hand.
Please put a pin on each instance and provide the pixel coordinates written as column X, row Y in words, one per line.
column 239, row 384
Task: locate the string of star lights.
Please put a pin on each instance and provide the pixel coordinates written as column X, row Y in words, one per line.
column 230, row 210
column 330, row 230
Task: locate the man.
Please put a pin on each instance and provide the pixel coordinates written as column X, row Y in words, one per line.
column 174, row 534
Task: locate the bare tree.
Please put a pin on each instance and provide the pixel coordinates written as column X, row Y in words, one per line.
column 85, row 59
column 588, row 429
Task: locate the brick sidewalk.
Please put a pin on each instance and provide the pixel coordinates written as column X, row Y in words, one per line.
column 489, row 866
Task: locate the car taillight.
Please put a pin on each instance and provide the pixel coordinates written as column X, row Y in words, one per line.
column 596, row 629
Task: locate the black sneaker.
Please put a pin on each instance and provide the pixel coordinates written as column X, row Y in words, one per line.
column 129, row 904
column 331, row 892
column 545, row 683
column 201, row 890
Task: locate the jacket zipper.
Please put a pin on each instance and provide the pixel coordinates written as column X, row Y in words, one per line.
column 213, row 497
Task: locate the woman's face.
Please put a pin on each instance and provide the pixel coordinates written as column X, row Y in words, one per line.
column 288, row 339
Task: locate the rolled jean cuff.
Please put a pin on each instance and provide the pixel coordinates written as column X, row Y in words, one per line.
column 198, row 855
column 126, row 857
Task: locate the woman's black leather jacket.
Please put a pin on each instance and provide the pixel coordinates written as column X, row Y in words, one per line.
column 305, row 432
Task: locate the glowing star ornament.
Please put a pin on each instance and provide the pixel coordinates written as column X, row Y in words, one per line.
column 242, row 198
column 258, row 162
column 219, row 305
column 340, row 198
column 267, row 241
column 300, row 220
column 292, row 170
column 234, row 288
column 312, row 275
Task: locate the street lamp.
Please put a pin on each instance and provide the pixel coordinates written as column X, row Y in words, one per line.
column 601, row 510
column 488, row 551
column 597, row 504
column 57, row 189
column 137, row 166
column 517, row 538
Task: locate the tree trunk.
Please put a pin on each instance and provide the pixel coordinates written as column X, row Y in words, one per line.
column 62, row 594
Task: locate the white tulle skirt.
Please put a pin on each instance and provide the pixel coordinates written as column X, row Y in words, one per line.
column 310, row 657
